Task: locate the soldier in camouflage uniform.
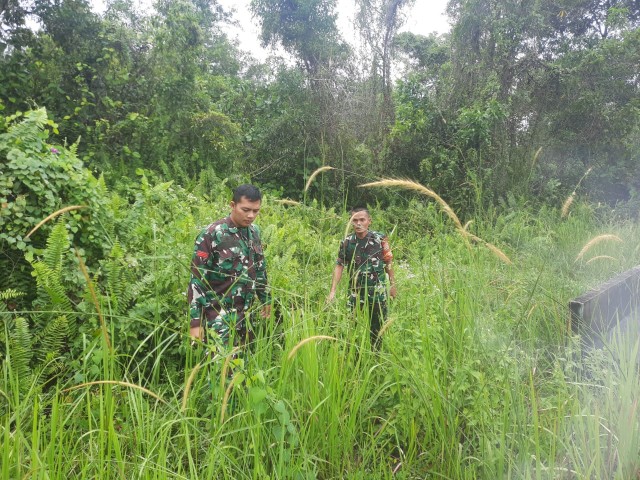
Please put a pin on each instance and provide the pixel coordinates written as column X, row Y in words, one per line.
column 227, row 271
column 367, row 256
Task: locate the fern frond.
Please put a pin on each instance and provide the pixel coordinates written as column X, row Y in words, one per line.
column 9, row 294
column 51, row 341
column 119, row 279
column 57, row 244
column 20, row 349
column 51, row 366
column 28, row 130
column 51, row 289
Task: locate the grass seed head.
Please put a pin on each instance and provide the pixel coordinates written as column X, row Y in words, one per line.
column 498, row 253
column 596, row 240
column 53, row 215
column 535, row 157
column 286, row 201
column 417, row 187
column 600, row 257
column 315, row 174
column 301, row 343
column 567, row 204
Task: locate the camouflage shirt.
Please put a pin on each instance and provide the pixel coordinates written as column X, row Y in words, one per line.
column 365, row 260
column 227, row 271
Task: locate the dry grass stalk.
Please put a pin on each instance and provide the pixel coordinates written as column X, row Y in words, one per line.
column 567, row 204
column 466, row 225
column 411, row 185
column 225, row 399
column 348, row 225
column 286, row 201
column 496, row 251
column 301, row 343
column 466, row 234
column 116, row 382
column 415, row 186
column 315, row 174
column 187, row 387
column 596, row 240
column 535, row 305
column 600, row 257
column 53, row 215
column 225, row 365
column 386, row 326
column 535, row 157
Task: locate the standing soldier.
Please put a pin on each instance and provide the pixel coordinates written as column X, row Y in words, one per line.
column 227, row 271
column 367, row 256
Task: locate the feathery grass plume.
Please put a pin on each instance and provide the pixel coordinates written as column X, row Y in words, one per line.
column 386, row 326
column 315, row 174
column 415, row 186
column 583, row 177
column 567, row 204
column 301, row 343
column 535, row 305
column 535, row 157
column 225, row 399
column 116, row 382
column 600, row 257
column 496, row 251
column 53, row 215
column 348, row 225
column 225, row 366
column 187, row 387
column 286, row 201
column 596, row 240
column 466, row 225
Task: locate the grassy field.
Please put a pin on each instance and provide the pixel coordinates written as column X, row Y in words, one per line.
column 478, row 376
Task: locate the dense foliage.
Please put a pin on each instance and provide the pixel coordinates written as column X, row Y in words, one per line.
column 520, row 97
column 122, row 134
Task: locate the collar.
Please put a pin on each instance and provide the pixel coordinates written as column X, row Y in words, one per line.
column 233, row 228
column 355, row 237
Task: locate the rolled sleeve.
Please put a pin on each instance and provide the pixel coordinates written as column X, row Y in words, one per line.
column 198, row 284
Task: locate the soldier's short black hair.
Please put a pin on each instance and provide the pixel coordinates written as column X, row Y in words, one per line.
column 251, row 192
column 355, row 210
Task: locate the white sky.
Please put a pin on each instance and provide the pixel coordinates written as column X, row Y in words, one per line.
column 425, row 17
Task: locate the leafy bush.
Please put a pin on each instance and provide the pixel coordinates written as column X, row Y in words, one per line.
column 38, row 179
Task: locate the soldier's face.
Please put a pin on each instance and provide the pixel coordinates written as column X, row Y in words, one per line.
column 360, row 222
column 244, row 212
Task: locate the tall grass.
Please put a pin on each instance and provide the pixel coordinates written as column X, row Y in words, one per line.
column 477, row 376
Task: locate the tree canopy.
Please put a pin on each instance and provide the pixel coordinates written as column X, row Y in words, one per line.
column 520, row 98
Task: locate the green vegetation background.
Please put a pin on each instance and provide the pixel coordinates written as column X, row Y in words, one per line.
column 479, row 375
column 131, row 128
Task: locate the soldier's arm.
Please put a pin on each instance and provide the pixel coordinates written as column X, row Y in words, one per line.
column 337, row 271
column 337, row 275
column 262, row 287
column 387, row 258
column 198, row 285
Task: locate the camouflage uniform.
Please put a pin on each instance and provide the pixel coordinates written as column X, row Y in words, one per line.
column 227, row 270
column 365, row 261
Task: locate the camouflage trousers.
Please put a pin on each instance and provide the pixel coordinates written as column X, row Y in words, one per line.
column 228, row 329
column 375, row 309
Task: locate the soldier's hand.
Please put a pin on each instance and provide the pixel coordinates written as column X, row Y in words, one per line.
column 393, row 292
column 331, row 297
column 265, row 312
column 197, row 333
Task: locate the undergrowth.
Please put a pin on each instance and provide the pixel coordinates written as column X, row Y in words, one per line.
column 479, row 374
